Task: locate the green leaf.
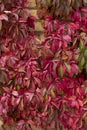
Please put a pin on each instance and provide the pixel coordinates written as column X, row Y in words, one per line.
column 61, row 71
column 76, row 57
column 85, row 54
column 86, row 67
column 48, row 1
column 81, row 45
column 74, row 42
column 81, row 63
column 73, row 1
column 64, row 57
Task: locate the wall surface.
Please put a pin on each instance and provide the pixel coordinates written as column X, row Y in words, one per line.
column 39, row 34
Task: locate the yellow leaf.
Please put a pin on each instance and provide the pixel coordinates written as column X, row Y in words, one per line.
column 21, row 69
column 53, row 93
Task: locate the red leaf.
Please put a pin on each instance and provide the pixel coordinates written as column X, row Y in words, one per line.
column 84, row 10
column 29, row 96
column 67, row 38
column 31, row 122
column 15, row 93
column 4, row 17
column 1, row 109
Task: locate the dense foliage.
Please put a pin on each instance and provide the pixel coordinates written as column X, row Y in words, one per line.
column 60, row 9
column 42, row 84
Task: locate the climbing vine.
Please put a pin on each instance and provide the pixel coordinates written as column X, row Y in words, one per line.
column 43, row 84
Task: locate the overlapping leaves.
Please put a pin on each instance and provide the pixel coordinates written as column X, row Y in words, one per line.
column 42, row 84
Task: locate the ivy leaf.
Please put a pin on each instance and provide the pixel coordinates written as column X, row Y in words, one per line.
column 85, row 54
column 67, row 66
column 86, row 67
column 0, row 25
column 4, row 17
column 81, row 45
column 3, row 77
column 61, row 71
column 81, row 63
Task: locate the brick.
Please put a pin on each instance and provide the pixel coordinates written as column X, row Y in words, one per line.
column 34, row 13
column 32, row 2
column 38, row 26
